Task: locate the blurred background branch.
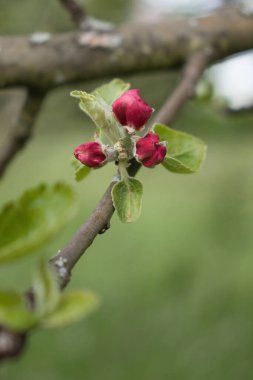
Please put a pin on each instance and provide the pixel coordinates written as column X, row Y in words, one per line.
column 55, row 60
column 83, row 21
column 134, row 47
column 78, row 14
column 19, row 108
column 192, row 72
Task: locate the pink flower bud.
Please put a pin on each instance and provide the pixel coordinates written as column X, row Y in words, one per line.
column 149, row 151
column 90, row 154
column 131, row 110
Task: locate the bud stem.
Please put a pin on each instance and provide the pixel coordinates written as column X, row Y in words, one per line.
column 123, row 171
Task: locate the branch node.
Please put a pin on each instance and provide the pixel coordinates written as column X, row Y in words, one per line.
column 105, row 228
column 11, row 343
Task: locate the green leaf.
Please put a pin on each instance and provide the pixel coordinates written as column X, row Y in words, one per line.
column 36, row 216
column 72, row 307
column 14, row 313
column 96, row 109
column 97, row 106
column 112, row 90
column 46, row 289
column 81, row 171
column 99, row 111
column 127, row 199
column 185, row 153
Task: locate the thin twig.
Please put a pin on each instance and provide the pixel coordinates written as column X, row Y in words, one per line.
column 83, row 21
column 186, row 87
column 77, row 13
column 83, row 238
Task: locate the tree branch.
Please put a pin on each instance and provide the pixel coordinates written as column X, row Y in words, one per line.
column 84, row 237
column 77, row 56
column 194, row 69
column 19, row 108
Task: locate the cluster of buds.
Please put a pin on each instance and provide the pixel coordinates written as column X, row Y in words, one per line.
column 132, row 112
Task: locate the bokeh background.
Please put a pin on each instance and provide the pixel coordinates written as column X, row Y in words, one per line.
column 177, row 285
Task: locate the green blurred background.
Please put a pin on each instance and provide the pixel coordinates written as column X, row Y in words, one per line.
column 176, row 286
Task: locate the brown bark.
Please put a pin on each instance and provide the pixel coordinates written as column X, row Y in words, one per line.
column 132, row 47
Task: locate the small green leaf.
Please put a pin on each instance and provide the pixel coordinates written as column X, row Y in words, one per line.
column 112, row 90
column 75, row 163
column 81, row 171
column 72, row 307
column 98, row 110
column 46, row 289
column 127, row 199
column 185, row 153
column 14, row 313
column 36, row 216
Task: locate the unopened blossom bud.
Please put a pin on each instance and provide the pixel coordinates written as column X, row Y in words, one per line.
column 90, row 154
column 149, row 151
column 131, row 110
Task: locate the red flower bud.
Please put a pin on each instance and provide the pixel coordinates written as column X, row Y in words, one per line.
column 131, row 110
column 90, row 154
column 149, row 151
